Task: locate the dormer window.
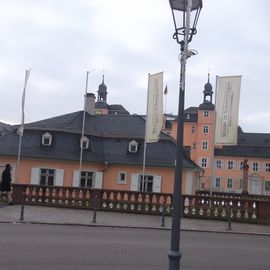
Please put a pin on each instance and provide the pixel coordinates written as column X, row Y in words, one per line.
column 133, row 146
column 84, row 143
column 47, row 139
column 188, row 116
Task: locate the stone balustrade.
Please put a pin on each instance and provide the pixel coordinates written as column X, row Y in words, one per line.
column 240, row 209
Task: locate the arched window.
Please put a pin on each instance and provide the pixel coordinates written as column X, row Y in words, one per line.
column 47, row 139
column 84, row 143
column 133, row 146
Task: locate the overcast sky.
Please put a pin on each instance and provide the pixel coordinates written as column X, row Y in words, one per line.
column 61, row 39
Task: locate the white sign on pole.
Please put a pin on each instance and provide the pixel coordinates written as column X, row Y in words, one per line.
column 154, row 117
column 227, row 109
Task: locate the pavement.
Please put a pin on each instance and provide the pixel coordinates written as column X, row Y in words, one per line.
column 77, row 217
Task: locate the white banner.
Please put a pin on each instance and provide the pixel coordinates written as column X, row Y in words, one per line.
column 227, row 109
column 154, row 117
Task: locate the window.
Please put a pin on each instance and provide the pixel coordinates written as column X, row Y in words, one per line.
column 217, row 183
column 218, row 164
column 267, row 185
column 146, row 184
column 133, row 147
column 229, row 183
column 193, row 130
column 203, row 185
column 241, row 184
column 205, row 129
column 188, row 116
column 47, row 139
column 87, row 179
column 47, row 177
column 267, row 167
column 255, row 167
column 204, row 162
column 122, row 178
column 84, row 143
column 194, row 145
column 204, row 145
column 241, row 165
column 206, row 114
column 230, row 165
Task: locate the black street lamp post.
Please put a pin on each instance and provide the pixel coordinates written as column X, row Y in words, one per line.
column 185, row 10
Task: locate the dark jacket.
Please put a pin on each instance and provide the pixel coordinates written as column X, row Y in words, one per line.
column 6, row 181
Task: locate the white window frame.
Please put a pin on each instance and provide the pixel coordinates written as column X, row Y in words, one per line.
column 205, row 114
column 241, row 182
column 267, row 167
column 84, row 143
column 49, row 172
column 255, row 166
column 193, row 130
column 218, row 164
column 204, row 162
column 229, row 183
column 205, row 129
column 217, row 183
column 241, row 164
column 188, row 116
column 47, row 136
column 148, row 183
column 267, row 185
column 132, row 144
column 120, row 180
column 204, row 145
column 230, row 165
column 87, row 178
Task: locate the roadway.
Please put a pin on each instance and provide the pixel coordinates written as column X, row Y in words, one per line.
column 58, row 247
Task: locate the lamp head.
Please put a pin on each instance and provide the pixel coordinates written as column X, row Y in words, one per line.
column 179, row 10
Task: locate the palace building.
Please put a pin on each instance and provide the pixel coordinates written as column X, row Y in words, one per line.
column 112, row 154
column 222, row 164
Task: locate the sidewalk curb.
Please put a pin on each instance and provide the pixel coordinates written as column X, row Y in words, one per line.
column 131, row 227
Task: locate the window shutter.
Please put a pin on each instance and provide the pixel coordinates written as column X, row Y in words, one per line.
column 59, row 177
column 98, row 180
column 75, row 182
column 157, row 184
column 134, row 182
column 35, row 178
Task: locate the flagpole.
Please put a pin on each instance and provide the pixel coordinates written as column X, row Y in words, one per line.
column 145, row 133
column 213, row 143
column 20, row 130
column 165, row 93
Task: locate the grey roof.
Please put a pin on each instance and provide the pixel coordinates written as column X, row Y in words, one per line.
column 101, row 105
column 248, row 145
column 109, row 137
column 244, row 151
column 4, row 128
column 117, row 109
column 209, row 106
column 103, row 125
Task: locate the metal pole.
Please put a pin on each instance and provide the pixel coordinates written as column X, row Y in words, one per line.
column 83, row 124
column 229, row 216
column 145, row 135
column 94, row 220
column 163, row 216
column 174, row 253
column 22, row 207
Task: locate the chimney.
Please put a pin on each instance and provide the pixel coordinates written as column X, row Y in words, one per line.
column 89, row 103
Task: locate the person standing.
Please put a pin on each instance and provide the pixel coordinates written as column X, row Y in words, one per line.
column 6, row 182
